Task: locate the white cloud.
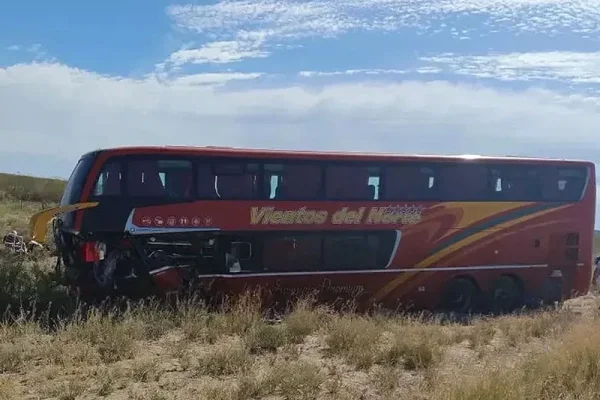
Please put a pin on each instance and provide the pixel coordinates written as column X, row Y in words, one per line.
column 51, row 113
column 253, row 28
column 375, row 71
column 214, row 78
column 575, row 67
column 217, row 52
column 55, row 110
column 428, row 70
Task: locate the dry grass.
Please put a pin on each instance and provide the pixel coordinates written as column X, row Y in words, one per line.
column 21, row 196
column 29, row 188
column 568, row 369
column 147, row 351
column 150, row 351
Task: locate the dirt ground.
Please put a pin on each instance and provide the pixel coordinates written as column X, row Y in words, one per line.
column 148, row 353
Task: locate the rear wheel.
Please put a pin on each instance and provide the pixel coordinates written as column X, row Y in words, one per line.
column 459, row 296
column 507, row 295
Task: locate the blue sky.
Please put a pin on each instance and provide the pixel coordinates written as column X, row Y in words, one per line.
column 439, row 76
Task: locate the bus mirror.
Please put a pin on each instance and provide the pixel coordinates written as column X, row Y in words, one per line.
column 242, row 250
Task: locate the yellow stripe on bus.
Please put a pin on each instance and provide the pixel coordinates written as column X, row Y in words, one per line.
column 38, row 223
column 431, row 260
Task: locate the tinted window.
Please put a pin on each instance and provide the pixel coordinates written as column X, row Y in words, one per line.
column 160, row 178
column 236, row 180
column 205, row 182
column 350, row 182
column 292, row 252
column 327, row 251
column 229, row 180
column 516, row 183
column 409, row 182
column 464, row 182
column 109, row 180
column 72, row 191
column 352, row 251
column 292, row 181
column 482, row 182
column 563, row 184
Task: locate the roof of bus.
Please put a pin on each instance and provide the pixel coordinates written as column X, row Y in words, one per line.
column 310, row 154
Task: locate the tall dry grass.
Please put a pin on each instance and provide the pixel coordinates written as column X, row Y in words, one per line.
column 22, row 188
column 149, row 349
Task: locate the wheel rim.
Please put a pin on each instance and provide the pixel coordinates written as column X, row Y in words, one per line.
column 506, row 294
column 460, row 297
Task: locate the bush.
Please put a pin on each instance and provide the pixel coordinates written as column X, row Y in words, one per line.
column 29, row 283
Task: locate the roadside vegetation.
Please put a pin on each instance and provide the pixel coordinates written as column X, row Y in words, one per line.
column 22, row 188
column 53, row 347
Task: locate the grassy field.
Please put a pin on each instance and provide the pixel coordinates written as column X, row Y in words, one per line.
column 60, row 350
column 32, row 189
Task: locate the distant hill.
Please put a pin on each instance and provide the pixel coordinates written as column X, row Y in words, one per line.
column 30, row 188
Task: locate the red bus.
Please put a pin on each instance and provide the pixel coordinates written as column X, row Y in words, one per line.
column 427, row 232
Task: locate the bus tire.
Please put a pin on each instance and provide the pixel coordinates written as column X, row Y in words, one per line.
column 459, row 296
column 507, row 294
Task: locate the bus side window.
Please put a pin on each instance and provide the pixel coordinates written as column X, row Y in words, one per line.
column 564, row 184
column 169, row 178
column 575, row 182
column 292, row 252
column 176, row 177
column 348, row 182
column 273, row 177
column 205, row 182
column 463, row 182
column 515, row 183
column 299, row 182
column 236, row 180
column 109, row 180
column 143, row 179
column 409, row 182
column 357, row 251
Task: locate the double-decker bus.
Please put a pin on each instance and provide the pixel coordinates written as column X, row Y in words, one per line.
column 424, row 232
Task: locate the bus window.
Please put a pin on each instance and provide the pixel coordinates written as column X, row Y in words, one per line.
column 293, row 181
column 109, row 180
column 463, row 182
column 72, row 192
column 236, row 180
column 563, row 184
column 327, row 251
column 176, row 177
column 292, row 252
column 349, row 182
column 205, row 182
column 409, row 182
column 159, row 178
column 351, row 251
column 273, row 178
column 515, row 183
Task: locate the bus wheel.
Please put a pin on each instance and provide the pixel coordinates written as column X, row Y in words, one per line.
column 507, row 294
column 459, row 296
